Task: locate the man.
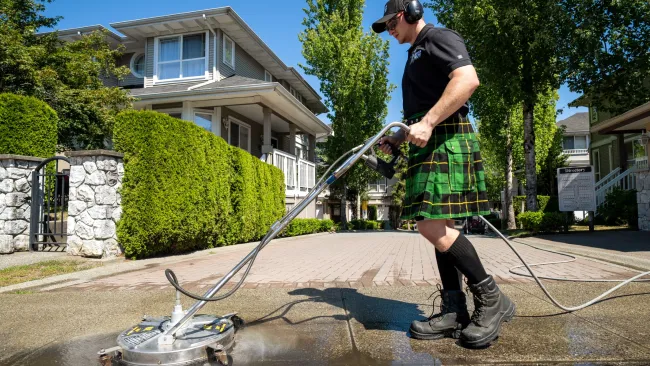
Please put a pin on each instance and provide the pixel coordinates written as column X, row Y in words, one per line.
column 445, row 178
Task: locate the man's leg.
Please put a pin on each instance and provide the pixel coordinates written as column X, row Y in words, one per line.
column 492, row 307
column 453, row 315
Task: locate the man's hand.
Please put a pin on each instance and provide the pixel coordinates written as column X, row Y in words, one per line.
column 387, row 142
column 420, row 133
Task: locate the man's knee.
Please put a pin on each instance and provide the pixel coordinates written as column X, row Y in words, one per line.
column 433, row 230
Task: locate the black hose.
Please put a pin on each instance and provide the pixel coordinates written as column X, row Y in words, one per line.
column 171, row 277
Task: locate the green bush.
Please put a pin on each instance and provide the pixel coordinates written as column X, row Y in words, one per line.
column 544, row 203
column 531, row 220
column 185, row 188
column 307, row 226
column 553, row 221
column 28, row 126
column 365, row 225
column 620, row 207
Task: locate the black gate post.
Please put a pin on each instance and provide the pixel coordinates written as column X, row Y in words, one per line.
column 36, row 203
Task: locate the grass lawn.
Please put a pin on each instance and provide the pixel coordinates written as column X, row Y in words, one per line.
column 18, row 274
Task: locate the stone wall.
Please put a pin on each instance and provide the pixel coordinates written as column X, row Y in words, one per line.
column 94, row 205
column 643, row 198
column 15, row 208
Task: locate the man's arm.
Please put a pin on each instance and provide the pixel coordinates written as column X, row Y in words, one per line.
column 463, row 81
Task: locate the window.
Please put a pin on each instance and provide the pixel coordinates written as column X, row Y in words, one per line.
column 228, row 51
column 574, row 142
column 137, row 65
column 239, row 134
column 267, row 76
column 181, row 57
column 204, row 120
column 378, row 185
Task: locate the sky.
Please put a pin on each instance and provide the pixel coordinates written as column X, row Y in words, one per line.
column 277, row 23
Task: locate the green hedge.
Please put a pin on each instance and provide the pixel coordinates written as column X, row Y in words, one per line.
column 185, row 188
column 544, row 204
column 366, row 225
column 538, row 221
column 620, row 207
column 28, row 126
column 307, row 226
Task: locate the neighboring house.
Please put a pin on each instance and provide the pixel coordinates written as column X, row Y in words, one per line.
column 575, row 143
column 619, row 152
column 210, row 67
column 379, row 195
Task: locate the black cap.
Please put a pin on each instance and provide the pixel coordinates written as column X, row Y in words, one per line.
column 391, row 8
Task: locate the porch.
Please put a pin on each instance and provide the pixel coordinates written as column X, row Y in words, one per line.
column 259, row 117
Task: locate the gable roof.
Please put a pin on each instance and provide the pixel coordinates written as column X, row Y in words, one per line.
column 578, row 122
column 229, row 22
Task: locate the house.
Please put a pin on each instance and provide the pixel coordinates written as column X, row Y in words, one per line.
column 576, row 139
column 619, row 153
column 210, row 67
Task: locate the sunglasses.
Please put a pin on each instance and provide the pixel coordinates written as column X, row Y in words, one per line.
column 392, row 23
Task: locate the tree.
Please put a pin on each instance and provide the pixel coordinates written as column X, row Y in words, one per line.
column 67, row 76
column 500, row 134
column 608, row 59
column 353, row 71
column 518, row 48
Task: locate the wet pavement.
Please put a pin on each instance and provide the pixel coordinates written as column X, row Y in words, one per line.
column 366, row 326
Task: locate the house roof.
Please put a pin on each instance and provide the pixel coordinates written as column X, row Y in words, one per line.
column 232, row 81
column 229, row 22
column 75, row 34
column 578, row 122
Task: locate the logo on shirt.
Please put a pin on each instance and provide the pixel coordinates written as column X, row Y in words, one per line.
column 459, row 57
column 416, row 55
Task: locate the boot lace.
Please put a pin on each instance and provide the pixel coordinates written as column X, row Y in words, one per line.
column 480, row 304
column 443, row 306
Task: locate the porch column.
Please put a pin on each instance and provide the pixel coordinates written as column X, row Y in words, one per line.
column 216, row 121
column 311, row 154
column 187, row 112
column 267, row 148
column 292, row 139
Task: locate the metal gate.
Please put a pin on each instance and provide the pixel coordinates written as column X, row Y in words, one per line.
column 49, row 214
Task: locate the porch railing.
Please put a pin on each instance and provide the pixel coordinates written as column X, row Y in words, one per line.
column 576, row 151
column 299, row 174
column 625, row 181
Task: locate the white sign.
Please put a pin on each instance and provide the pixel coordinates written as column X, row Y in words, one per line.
column 576, row 189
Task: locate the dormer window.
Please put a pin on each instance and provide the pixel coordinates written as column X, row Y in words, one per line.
column 181, row 57
column 228, row 52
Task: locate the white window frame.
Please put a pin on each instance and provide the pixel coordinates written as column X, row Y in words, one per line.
column 241, row 124
column 132, row 64
column 206, row 72
column 268, row 77
column 574, row 142
column 376, row 183
column 596, row 161
column 229, row 63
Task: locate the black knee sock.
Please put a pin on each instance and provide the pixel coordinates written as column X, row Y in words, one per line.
column 466, row 260
column 450, row 276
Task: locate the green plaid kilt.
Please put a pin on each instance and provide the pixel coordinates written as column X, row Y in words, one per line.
column 445, row 179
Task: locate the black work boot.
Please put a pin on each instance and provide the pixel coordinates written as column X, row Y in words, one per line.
column 491, row 308
column 453, row 317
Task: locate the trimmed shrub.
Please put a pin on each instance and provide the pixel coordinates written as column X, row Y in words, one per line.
column 620, row 207
column 307, row 226
column 531, row 220
column 28, row 126
column 365, row 225
column 186, row 189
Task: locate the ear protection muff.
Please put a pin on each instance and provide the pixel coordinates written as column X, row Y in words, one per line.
column 413, row 11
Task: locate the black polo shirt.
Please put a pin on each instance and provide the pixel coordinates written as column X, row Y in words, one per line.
column 434, row 55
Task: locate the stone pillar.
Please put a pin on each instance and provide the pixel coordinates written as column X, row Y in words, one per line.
column 15, row 201
column 94, row 203
column 643, row 198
